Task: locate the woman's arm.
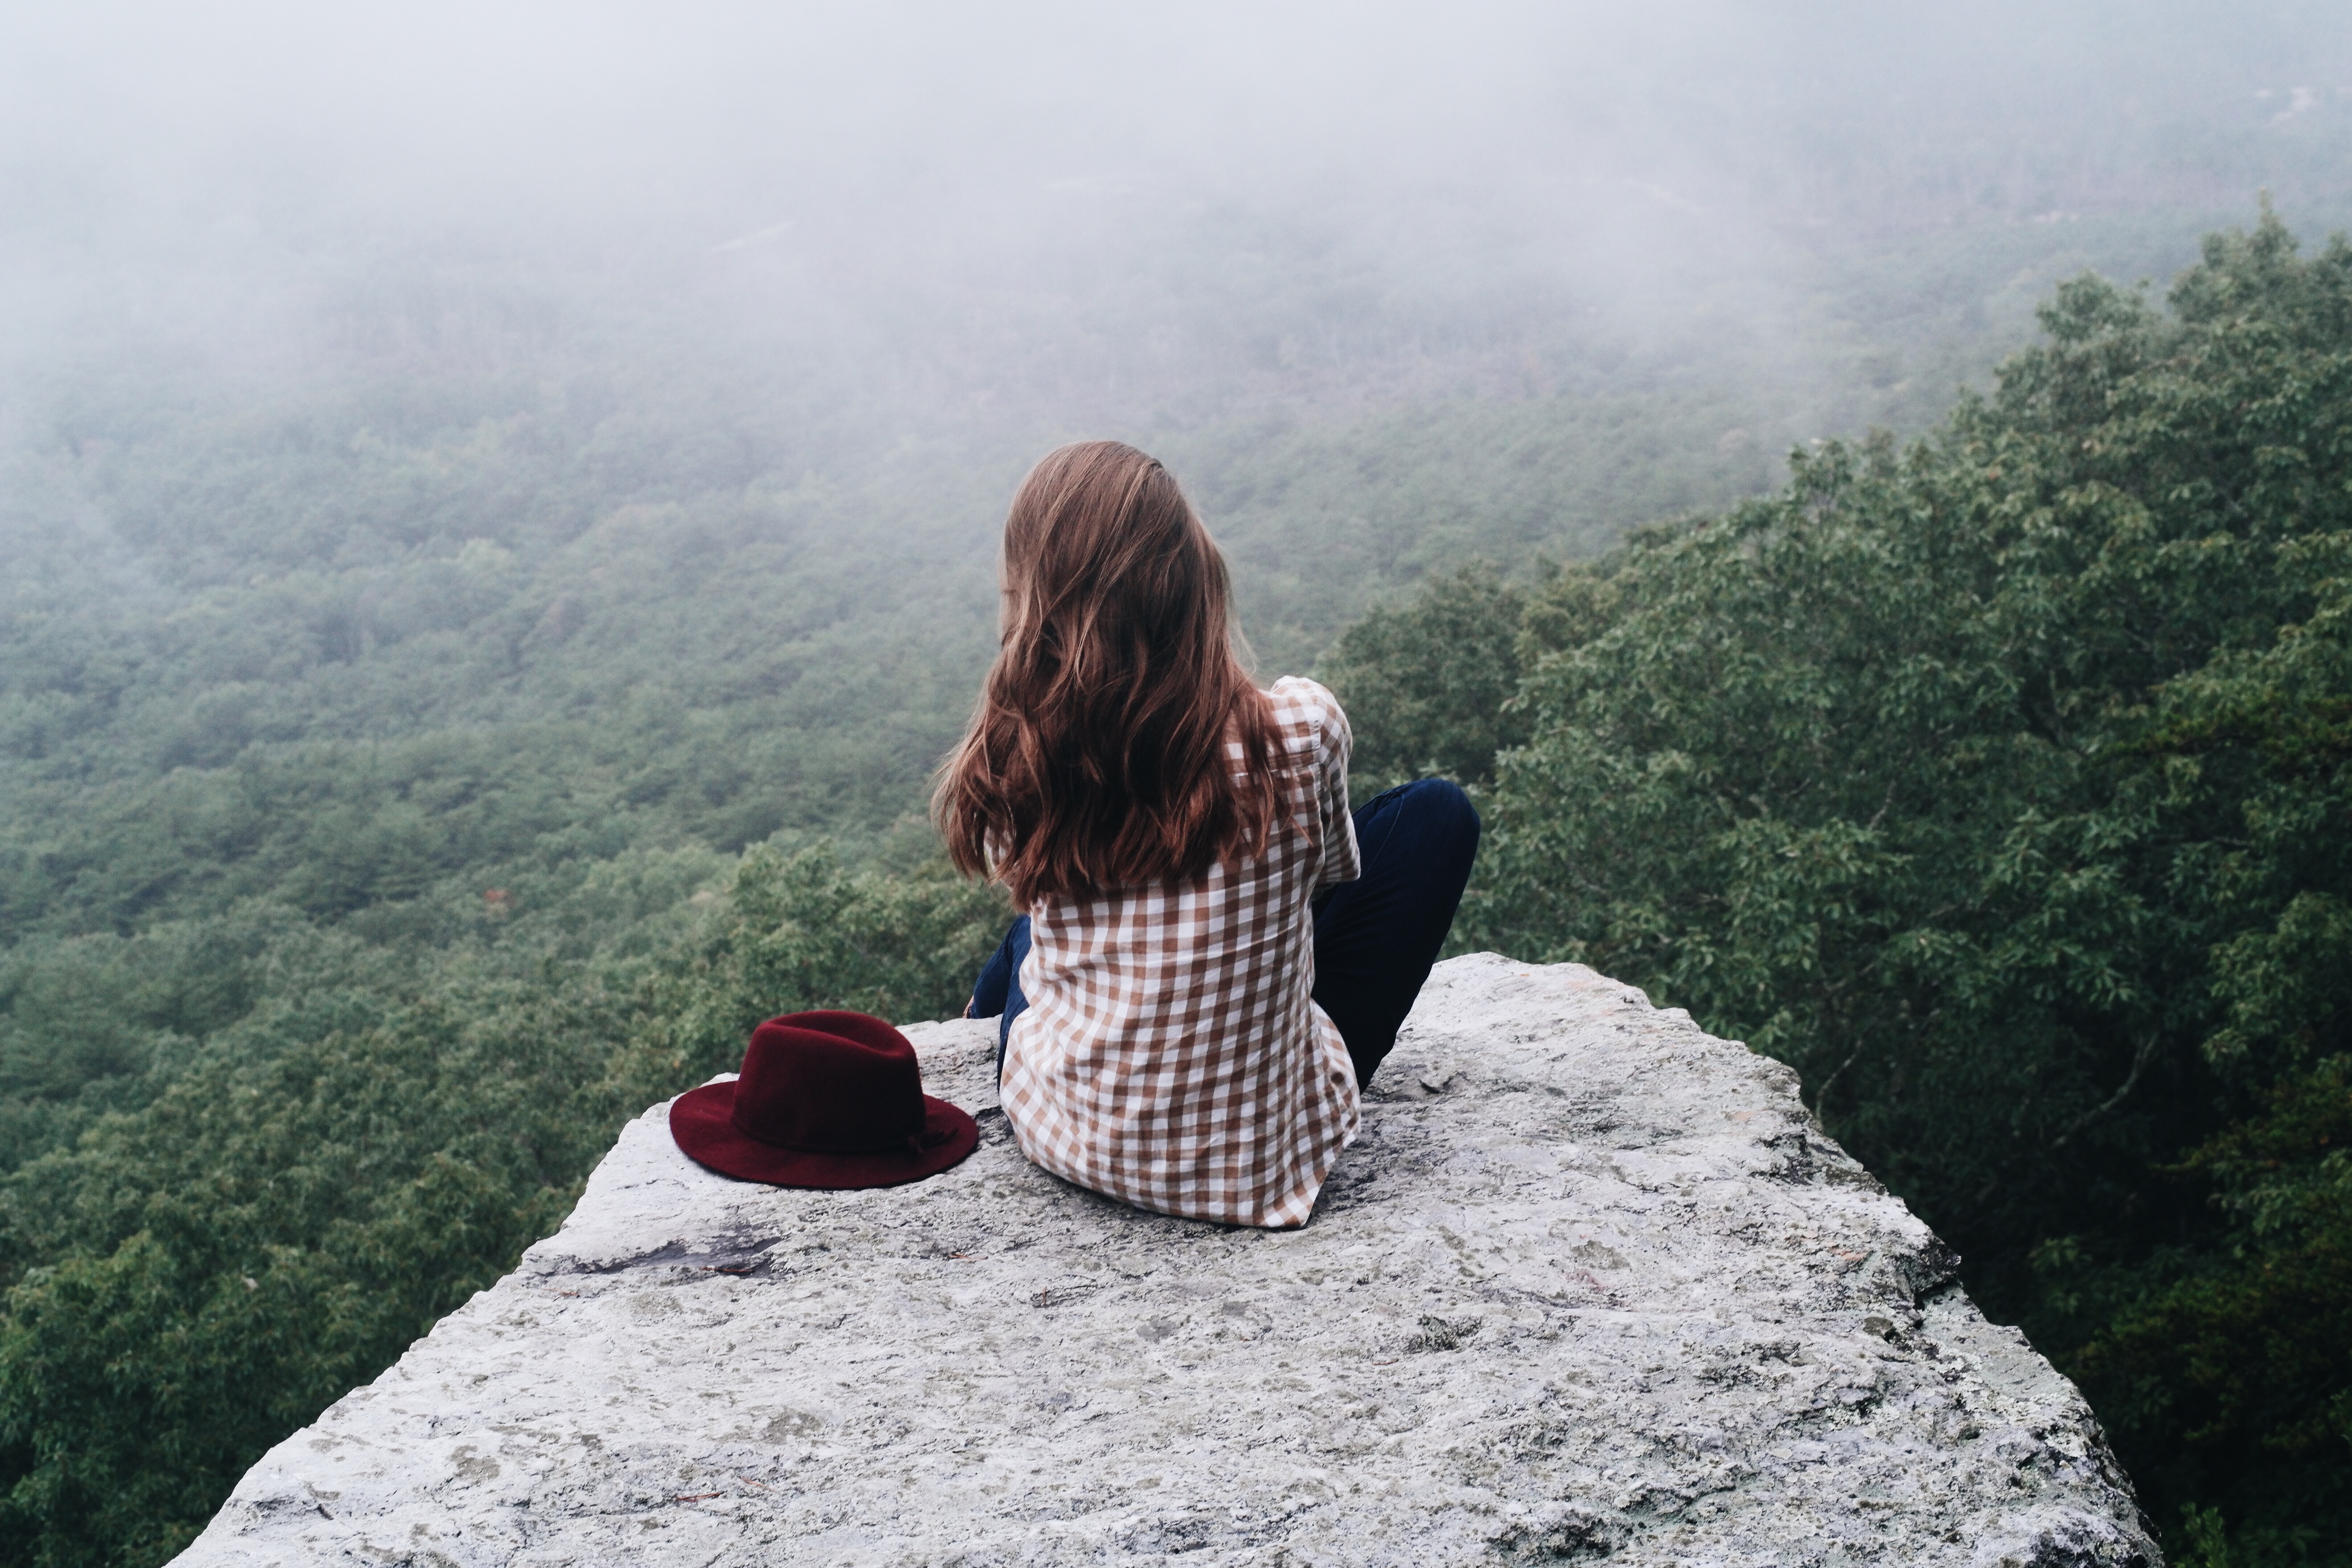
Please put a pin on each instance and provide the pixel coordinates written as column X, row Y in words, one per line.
column 1335, row 743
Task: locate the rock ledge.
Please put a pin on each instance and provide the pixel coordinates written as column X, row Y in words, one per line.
column 1591, row 1285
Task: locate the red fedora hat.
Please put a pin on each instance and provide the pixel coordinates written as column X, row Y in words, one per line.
column 824, row 1099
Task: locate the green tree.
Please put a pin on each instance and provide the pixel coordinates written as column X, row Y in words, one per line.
column 1427, row 683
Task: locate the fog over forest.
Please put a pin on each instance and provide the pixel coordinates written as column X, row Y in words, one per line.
column 498, row 513
column 1077, row 217
column 900, row 250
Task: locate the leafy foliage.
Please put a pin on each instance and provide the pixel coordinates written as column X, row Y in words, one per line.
column 2231, row 1378
column 1429, row 683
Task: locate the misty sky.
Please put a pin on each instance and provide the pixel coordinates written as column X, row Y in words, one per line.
column 185, row 170
column 133, row 121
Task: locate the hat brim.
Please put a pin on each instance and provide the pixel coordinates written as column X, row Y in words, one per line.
column 702, row 1120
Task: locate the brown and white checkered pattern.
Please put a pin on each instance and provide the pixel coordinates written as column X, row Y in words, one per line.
column 1169, row 1056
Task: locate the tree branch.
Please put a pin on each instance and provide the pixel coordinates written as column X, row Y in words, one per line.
column 1821, row 1095
column 2139, row 1063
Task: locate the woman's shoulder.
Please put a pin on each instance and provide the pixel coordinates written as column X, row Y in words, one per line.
column 1306, row 711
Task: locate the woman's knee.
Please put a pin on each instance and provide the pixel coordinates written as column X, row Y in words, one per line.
column 1442, row 808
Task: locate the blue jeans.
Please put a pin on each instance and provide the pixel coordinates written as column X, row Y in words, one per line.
column 1375, row 937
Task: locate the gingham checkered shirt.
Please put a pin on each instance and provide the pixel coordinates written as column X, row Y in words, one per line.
column 1170, row 1055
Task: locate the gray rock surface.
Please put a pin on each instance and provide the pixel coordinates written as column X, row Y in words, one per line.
column 1591, row 1285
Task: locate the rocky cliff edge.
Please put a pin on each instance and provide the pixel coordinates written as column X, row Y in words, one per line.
column 1590, row 1286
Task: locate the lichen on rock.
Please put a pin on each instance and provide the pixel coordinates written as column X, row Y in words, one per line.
column 1591, row 1285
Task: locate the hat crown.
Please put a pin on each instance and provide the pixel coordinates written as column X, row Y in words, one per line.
column 830, row 1083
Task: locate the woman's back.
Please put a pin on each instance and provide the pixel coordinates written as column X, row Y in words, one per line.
column 1170, row 1055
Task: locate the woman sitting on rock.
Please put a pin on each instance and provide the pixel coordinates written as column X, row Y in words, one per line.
column 1215, row 954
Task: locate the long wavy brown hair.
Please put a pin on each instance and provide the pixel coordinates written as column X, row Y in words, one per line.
column 1095, row 758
